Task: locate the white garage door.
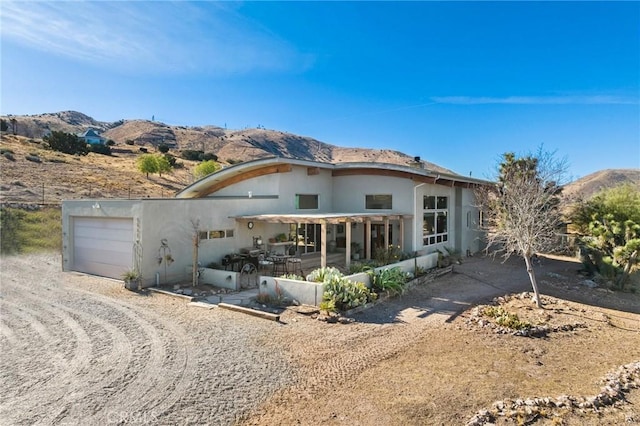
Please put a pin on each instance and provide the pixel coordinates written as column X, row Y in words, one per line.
column 102, row 246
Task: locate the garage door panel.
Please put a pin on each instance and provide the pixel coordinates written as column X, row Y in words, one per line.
column 121, row 257
column 97, row 244
column 103, row 246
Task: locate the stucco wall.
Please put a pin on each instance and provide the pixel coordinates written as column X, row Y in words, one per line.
column 173, row 220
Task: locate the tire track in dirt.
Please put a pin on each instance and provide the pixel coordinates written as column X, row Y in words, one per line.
column 150, row 358
column 138, row 349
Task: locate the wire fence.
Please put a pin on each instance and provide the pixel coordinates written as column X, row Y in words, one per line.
column 45, row 195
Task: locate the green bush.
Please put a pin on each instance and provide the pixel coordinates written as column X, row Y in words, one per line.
column 100, row 149
column 190, row 154
column 67, row 143
column 390, row 280
column 205, row 168
column 163, row 148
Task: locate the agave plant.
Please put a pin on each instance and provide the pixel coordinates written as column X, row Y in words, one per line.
column 390, row 280
column 325, row 274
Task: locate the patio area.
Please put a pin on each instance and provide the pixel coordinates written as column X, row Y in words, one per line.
column 306, row 264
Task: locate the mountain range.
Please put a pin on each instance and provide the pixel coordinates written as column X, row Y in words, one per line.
column 31, row 173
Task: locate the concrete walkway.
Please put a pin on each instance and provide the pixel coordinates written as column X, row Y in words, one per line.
column 237, row 298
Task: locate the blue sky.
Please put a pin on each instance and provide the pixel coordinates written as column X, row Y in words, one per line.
column 456, row 83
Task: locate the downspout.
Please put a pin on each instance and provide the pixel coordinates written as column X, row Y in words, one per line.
column 415, row 216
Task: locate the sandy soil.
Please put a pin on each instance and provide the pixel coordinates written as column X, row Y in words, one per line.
column 82, row 350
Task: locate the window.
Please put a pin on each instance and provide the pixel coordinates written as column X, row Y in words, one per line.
column 435, row 220
column 306, row 201
column 378, row 202
column 215, row 234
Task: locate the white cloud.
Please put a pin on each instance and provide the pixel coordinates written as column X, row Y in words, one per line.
column 538, row 100
column 207, row 37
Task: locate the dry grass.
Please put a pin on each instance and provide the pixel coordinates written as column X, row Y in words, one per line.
column 455, row 368
column 61, row 176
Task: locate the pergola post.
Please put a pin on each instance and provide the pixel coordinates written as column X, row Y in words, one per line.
column 386, row 232
column 323, row 244
column 401, row 239
column 367, row 244
column 347, row 233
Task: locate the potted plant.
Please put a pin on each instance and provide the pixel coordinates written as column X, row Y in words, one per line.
column 355, row 251
column 131, row 279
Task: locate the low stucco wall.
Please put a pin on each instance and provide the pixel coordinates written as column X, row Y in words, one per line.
column 310, row 293
column 304, row 292
column 218, row 278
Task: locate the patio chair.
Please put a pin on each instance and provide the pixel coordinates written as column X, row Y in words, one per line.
column 296, row 265
column 264, row 263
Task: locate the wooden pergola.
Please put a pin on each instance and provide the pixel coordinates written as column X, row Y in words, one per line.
column 324, row 219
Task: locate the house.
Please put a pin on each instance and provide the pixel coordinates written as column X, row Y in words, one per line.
column 92, row 137
column 318, row 207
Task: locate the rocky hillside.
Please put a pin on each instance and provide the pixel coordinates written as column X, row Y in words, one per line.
column 31, row 173
column 587, row 186
column 228, row 145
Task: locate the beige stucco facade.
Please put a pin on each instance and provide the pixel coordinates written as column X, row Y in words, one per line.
column 268, row 193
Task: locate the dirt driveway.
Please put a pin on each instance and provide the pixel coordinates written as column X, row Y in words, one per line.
column 82, row 350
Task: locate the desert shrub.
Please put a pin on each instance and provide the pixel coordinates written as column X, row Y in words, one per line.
column 207, row 156
column 171, row 160
column 8, row 155
column 357, row 267
column 292, row 277
column 100, row 149
column 5, row 150
column 143, row 149
column 609, row 233
column 328, row 305
column 129, row 142
column 324, row 274
column 346, row 294
column 387, row 255
column 111, row 142
column 232, row 161
column 163, row 148
column 505, row 319
column 390, row 280
column 192, row 155
column 66, row 142
column 33, row 158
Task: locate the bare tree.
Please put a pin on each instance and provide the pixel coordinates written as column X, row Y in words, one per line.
column 521, row 211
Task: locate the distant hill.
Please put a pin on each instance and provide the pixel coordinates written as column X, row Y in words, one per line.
column 587, row 186
column 56, row 176
column 228, row 145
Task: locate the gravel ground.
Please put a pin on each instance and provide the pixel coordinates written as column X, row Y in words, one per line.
column 82, row 350
column 78, row 349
